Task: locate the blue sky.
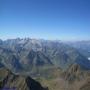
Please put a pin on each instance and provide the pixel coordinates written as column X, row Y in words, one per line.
column 47, row 19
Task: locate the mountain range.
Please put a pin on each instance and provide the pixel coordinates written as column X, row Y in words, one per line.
column 82, row 46
column 34, row 56
column 55, row 64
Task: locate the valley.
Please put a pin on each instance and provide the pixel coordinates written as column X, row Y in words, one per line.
column 53, row 65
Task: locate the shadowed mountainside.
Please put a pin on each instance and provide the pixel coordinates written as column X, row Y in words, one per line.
column 9, row 80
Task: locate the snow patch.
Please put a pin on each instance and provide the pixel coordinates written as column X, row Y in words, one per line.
column 88, row 58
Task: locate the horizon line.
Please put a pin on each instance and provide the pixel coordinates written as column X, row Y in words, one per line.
column 5, row 39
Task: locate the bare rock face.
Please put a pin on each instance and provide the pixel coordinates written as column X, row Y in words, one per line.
column 77, row 78
column 9, row 80
column 73, row 73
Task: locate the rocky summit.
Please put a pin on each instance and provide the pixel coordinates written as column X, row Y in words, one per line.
column 10, row 81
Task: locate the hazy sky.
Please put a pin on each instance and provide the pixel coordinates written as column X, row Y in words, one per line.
column 47, row 19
